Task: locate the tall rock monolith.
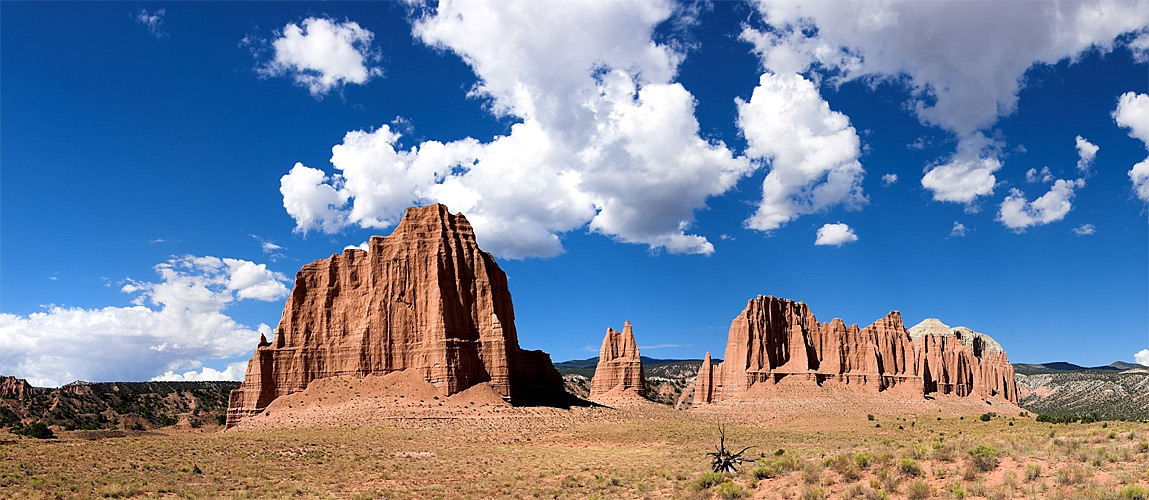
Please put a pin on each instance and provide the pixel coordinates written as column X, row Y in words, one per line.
column 619, row 366
column 425, row 299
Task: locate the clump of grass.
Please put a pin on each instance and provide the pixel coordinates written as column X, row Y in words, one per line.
column 919, row 490
column 1133, row 492
column 706, row 480
column 1032, row 472
column 955, row 490
column 727, row 489
column 910, row 467
column 812, row 473
column 814, row 494
column 984, row 457
column 764, row 472
column 1072, row 475
column 863, row 460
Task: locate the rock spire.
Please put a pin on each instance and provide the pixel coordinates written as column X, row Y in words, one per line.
column 619, row 365
column 775, row 341
column 425, row 299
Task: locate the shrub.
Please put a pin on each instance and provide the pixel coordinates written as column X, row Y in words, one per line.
column 1133, row 492
column 37, row 430
column 707, row 480
column 812, row 474
column 910, row 467
column 870, row 417
column 985, row 417
column 919, row 491
column 728, row 489
column 814, row 494
column 1032, row 472
column 984, row 457
column 764, row 472
column 956, row 491
column 862, row 460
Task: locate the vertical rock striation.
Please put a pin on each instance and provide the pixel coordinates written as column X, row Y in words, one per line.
column 425, row 298
column 14, row 387
column 619, row 365
column 775, row 341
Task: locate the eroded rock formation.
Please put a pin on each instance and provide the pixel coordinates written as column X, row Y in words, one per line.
column 775, row 340
column 425, row 298
column 619, row 365
column 14, row 387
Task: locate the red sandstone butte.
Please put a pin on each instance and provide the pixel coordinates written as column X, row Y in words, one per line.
column 776, row 339
column 619, row 365
column 14, row 387
column 425, row 299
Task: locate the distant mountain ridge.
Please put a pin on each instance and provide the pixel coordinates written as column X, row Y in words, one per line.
column 654, row 367
column 1065, row 367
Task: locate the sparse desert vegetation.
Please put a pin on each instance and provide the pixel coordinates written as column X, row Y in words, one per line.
column 648, row 451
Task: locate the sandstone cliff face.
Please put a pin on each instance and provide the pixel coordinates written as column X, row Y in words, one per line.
column 14, row 387
column 425, row 298
column 776, row 341
column 619, row 365
column 961, row 361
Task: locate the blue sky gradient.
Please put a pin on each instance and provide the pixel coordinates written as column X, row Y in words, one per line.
column 138, row 139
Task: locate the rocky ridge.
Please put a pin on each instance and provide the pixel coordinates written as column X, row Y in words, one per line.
column 778, row 341
column 424, row 299
column 619, row 366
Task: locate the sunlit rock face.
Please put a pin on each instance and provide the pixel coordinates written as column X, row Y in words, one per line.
column 775, row 341
column 425, row 298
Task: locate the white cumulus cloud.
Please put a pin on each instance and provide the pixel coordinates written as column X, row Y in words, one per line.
column 1086, row 152
column 1085, row 230
column 812, row 151
column 949, row 57
column 889, row 179
column 323, row 55
column 1044, row 175
column 835, row 235
column 1017, row 213
column 1142, row 357
column 1133, row 113
column 234, row 372
column 605, row 137
column 174, row 325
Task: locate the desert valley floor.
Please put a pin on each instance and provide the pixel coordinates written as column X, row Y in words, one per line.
column 394, row 437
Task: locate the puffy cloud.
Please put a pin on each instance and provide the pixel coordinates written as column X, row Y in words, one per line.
column 958, row 230
column 1085, row 230
column 835, row 235
column 1133, row 113
column 234, row 371
column 313, row 199
column 1142, row 357
column 154, row 21
column 1033, row 175
column 947, row 54
column 323, row 55
column 1017, row 213
column 1086, row 152
column 889, row 179
column 812, row 151
column 173, row 325
column 605, row 138
column 967, row 175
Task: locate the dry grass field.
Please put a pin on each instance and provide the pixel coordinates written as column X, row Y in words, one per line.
column 454, row 447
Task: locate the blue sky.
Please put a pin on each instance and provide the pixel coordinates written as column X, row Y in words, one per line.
column 165, row 168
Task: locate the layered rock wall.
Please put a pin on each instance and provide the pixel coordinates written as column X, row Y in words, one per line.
column 619, row 364
column 775, row 341
column 425, row 298
column 14, row 387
